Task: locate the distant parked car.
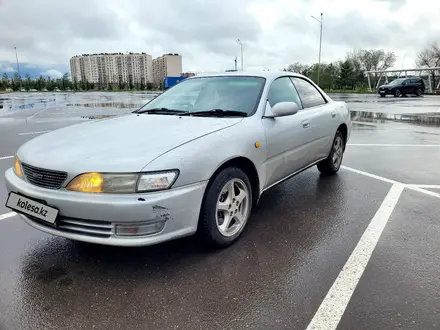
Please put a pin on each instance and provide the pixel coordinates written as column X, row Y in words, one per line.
column 179, row 165
column 402, row 87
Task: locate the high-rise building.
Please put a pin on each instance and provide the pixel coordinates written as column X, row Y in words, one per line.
column 112, row 68
column 168, row 65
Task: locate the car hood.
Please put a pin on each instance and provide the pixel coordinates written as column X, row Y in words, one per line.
column 386, row 86
column 123, row 144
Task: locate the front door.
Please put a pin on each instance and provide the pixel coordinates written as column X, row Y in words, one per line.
column 287, row 137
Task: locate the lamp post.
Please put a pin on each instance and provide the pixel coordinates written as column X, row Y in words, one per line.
column 320, row 43
column 18, row 66
column 16, row 58
column 241, row 51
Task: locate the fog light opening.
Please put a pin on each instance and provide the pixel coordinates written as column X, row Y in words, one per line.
column 140, row 229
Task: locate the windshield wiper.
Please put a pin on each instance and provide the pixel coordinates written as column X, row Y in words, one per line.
column 161, row 111
column 216, row 113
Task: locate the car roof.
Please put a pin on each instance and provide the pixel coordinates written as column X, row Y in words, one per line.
column 270, row 75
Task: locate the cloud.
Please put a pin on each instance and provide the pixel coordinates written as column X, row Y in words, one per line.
column 6, row 68
column 52, row 73
column 274, row 32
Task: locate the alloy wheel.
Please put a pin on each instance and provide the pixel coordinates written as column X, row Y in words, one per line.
column 233, row 206
column 338, row 150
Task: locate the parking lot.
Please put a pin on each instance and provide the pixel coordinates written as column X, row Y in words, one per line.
column 358, row 250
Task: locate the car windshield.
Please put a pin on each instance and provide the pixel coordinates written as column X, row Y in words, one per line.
column 232, row 93
column 397, row 81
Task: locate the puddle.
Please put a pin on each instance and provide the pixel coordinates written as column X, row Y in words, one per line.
column 427, row 119
column 16, row 102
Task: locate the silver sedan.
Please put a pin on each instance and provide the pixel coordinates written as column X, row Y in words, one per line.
column 194, row 159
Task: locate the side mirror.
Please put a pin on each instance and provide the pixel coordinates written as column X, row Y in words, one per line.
column 283, row 109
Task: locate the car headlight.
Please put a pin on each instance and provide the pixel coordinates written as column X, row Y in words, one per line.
column 122, row 183
column 156, row 181
column 17, row 167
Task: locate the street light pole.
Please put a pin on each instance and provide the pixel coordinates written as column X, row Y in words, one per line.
column 320, row 44
column 241, row 50
column 18, row 66
column 16, row 58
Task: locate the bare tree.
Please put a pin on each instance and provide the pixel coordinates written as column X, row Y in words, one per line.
column 296, row 67
column 429, row 57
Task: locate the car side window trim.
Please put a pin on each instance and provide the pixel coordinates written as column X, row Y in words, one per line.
column 312, row 83
column 312, row 107
column 294, row 87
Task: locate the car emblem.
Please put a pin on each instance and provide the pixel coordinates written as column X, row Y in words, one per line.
column 38, row 175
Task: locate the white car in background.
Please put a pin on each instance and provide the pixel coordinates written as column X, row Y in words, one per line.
column 195, row 158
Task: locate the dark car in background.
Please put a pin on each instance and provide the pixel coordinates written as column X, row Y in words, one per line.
column 403, row 86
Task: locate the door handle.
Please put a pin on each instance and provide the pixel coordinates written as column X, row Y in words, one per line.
column 333, row 114
column 306, row 124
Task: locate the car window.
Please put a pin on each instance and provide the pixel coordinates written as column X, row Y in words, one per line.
column 415, row 81
column 282, row 90
column 397, row 82
column 237, row 93
column 310, row 96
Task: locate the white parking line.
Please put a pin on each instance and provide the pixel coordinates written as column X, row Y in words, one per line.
column 374, row 176
column 336, row 301
column 426, row 192
column 391, row 145
column 6, row 157
column 429, row 186
column 7, row 215
column 28, row 133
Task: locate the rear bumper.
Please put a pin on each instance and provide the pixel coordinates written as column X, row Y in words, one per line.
column 93, row 217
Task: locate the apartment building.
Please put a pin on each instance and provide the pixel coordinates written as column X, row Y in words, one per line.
column 112, row 68
column 167, row 65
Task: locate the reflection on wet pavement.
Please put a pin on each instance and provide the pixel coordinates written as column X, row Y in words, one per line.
column 15, row 102
column 380, row 117
column 94, row 105
column 390, row 105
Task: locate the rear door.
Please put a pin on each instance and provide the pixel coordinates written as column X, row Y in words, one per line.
column 417, row 84
column 408, row 86
column 323, row 119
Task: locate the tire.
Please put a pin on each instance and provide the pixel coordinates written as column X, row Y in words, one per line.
column 419, row 92
column 328, row 166
column 397, row 93
column 212, row 227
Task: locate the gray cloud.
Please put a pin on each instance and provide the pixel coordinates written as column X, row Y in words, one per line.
column 205, row 32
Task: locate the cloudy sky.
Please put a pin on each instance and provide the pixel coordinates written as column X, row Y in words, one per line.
column 274, row 32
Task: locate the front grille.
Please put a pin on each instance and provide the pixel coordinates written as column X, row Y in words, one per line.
column 91, row 228
column 44, row 178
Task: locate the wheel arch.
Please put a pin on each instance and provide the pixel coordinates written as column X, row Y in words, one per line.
column 344, row 130
column 248, row 167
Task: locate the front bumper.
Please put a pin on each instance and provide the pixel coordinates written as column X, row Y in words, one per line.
column 385, row 91
column 94, row 217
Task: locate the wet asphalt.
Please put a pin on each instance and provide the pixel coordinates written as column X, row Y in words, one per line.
column 294, row 247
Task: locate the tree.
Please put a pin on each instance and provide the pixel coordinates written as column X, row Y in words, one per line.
column 346, row 74
column 130, row 82
column 75, row 85
column 370, row 60
column 429, row 57
column 16, row 81
column 5, row 81
column 28, row 82
column 65, row 81
column 295, row 67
